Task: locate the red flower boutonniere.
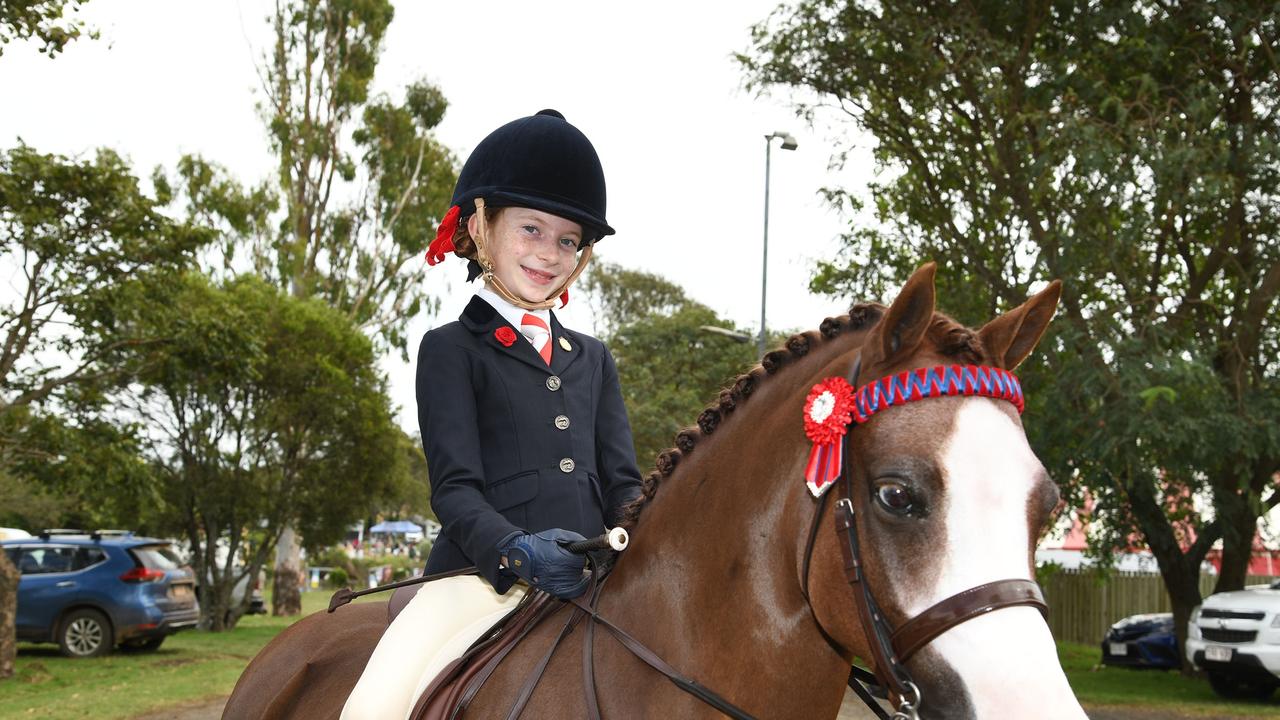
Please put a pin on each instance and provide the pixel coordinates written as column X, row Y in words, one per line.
column 827, row 412
column 505, row 335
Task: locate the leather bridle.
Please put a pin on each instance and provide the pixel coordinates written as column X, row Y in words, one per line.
column 892, row 647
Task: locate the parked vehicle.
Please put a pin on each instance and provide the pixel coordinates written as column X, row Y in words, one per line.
column 245, row 586
column 89, row 592
column 1142, row 641
column 1235, row 638
column 13, row 533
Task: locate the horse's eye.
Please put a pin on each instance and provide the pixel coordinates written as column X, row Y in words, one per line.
column 895, row 497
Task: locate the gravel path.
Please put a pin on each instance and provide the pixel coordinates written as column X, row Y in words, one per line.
column 209, row 709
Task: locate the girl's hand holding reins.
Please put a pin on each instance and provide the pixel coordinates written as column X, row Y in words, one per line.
column 543, row 561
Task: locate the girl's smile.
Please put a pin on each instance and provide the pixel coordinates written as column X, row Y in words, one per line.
column 541, row 278
column 533, row 251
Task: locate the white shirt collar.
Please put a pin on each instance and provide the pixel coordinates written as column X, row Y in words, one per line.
column 509, row 312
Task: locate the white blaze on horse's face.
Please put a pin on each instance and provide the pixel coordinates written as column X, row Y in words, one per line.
column 1007, row 658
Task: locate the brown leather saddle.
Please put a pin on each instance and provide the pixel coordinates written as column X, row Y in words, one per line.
column 452, row 690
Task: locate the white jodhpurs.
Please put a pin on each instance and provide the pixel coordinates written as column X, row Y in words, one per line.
column 441, row 621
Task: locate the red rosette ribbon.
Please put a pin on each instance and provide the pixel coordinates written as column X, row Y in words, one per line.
column 505, row 335
column 443, row 244
column 827, row 413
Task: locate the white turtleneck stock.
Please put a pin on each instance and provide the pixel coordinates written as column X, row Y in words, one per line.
column 515, row 316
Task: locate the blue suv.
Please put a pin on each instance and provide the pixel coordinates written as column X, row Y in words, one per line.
column 89, row 592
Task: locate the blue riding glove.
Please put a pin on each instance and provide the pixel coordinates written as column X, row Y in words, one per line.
column 542, row 561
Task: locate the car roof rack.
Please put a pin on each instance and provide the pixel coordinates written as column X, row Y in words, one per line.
column 95, row 535
column 48, row 532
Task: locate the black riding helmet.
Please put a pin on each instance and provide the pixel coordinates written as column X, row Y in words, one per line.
column 540, row 162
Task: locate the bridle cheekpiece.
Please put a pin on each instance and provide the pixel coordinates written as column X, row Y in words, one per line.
column 831, row 409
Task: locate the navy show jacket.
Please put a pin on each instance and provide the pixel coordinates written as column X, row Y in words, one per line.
column 514, row 445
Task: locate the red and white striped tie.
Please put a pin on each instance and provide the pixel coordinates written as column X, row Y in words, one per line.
column 538, row 333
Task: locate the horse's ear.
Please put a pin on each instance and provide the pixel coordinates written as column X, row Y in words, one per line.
column 1010, row 338
column 905, row 322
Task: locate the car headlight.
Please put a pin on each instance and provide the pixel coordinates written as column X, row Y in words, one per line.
column 1275, row 621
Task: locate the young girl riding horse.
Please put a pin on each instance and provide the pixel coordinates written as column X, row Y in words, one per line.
column 526, row 437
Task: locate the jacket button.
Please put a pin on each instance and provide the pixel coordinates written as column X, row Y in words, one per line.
column 562, row 422
column 566, row 465
column 553, row 383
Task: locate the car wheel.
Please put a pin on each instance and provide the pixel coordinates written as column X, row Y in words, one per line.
column 1229, row 686
column 143, row 645
column 85, row 633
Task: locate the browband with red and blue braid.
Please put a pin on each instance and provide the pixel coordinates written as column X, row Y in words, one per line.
column 939, row 381
column 833, row 406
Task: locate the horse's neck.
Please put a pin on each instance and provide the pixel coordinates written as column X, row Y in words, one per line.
column 713, row 570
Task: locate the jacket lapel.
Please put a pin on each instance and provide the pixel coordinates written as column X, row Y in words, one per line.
column 560, row 357
column 480, row 318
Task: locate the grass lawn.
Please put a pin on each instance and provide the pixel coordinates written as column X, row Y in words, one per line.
column 1152, row 689
column 191, row 665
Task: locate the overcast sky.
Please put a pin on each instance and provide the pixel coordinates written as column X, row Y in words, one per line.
column 652, row 84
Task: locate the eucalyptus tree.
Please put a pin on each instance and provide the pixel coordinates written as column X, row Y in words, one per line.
column 1131, row 149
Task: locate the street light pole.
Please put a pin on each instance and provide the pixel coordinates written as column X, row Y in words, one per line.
column 788, row 143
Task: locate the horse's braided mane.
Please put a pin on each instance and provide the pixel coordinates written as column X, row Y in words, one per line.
column 949, row 337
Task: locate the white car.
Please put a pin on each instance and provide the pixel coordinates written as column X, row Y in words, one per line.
column 1235, row 638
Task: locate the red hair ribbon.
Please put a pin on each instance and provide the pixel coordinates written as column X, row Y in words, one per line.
column 443, row 244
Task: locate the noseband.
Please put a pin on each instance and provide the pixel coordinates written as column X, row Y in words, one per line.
column 892, row 647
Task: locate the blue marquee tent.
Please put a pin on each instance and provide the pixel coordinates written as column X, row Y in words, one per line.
column 397, row 527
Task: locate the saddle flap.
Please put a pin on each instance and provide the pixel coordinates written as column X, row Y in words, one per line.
column 459, row 681
column 399, row 599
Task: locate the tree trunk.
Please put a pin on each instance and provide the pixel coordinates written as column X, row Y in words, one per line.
column 1183, row 604
column 9, row 577
column 1179, row 570
column 1239, row 525
column 286, row 598
column 1182, row 582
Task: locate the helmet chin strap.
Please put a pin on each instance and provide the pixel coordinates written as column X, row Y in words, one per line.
column 486, row 267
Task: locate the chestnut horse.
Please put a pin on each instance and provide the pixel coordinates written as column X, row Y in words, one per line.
column 948, row 494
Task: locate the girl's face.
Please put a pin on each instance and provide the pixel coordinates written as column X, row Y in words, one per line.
column 532, row 251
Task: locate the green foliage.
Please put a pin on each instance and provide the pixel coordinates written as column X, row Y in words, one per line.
column 338, row 578
column 85, row 242
column 76, row 469
column 43, row 20
column 620, row 297
column 87, row 245
column 1131, row 149
column 206, row 195
column 669, row 367
column 264, row 410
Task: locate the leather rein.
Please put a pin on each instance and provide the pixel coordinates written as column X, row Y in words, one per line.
column 891, row 647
